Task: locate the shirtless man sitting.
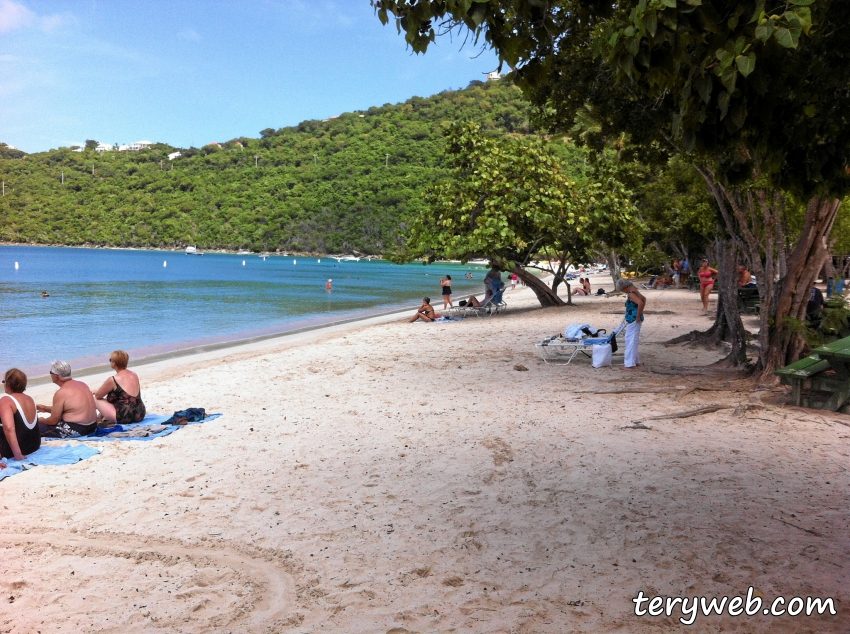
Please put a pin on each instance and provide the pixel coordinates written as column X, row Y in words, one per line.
column 745, row 278
column 73, row 412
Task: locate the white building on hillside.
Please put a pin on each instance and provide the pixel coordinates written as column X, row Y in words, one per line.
column 140, row 145
column 494, row 76
column 103, row 147
column 174, row 155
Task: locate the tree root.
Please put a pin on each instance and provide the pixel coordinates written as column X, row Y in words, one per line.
column 635, row 390
column 699, row 411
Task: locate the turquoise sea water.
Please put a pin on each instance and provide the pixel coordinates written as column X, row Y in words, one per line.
column 101, row 300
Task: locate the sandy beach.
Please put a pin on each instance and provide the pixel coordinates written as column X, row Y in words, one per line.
column 391, row 477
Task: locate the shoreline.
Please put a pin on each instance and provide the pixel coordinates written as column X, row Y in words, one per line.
column 147, row 366
column 227, row 344
column 299, row 254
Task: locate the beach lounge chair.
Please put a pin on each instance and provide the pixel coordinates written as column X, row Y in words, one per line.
column 557, row 348
column 493, row 305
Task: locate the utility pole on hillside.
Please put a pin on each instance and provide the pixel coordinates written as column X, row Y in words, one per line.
column 92, row 169
column 315, row 159
column 4, row 188
column 387, row 163
column 62, row 177
column 256, row 161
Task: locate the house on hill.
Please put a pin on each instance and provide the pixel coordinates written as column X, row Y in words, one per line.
column 174, row 155
column 140, row 145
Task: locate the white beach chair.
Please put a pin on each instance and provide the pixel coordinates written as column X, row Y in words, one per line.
column 558, row 349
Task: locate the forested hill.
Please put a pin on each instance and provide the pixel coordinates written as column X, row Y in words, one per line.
column 343, row 184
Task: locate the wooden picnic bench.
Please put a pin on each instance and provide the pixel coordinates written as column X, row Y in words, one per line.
column 748, row 299
column 821, row 380
column 693, row 283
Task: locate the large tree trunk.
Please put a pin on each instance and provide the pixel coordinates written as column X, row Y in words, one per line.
column 784, row 342
column 545, row 295
column 728, row 324
column 754, row 219
column 614, row 266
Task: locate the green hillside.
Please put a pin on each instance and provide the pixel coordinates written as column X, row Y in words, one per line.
column 322, row 186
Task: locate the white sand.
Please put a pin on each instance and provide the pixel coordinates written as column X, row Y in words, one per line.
column 405, row 478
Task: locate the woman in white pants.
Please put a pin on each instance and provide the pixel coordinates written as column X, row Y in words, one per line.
column 635, row 303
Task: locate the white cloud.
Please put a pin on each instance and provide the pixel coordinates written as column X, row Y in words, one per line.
column 14, row 16
column 190, row 35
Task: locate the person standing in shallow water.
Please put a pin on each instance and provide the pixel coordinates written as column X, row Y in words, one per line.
column 329, row 285
column 635, row 303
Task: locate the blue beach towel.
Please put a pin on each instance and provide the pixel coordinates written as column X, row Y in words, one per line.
column 48, row 455
column 150, row 419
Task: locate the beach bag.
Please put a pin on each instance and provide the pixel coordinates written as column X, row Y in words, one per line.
column 191, row 415
column 601, row 355
column 579, row 331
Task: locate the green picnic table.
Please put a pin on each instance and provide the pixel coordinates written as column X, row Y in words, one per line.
column 824, row 375
column 748, row 299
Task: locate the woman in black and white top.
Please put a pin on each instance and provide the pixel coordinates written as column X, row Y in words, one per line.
column 17, row 411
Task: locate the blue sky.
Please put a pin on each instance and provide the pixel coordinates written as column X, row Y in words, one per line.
column 189, row 73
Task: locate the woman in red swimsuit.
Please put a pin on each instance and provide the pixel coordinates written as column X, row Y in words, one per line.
column 706, row 282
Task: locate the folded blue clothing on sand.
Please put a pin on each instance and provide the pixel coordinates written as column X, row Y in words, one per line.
column 159, row 425
column 48, row 455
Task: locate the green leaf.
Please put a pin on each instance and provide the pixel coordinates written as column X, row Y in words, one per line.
column 725, row 57
column 801, row 3
column 703, row 88
column 723, row 104
column 650, row 23
column 669, row 3
column 739, row 116
column 804, row 15
column 746, row 64
column 764, row 31
column 785, row 37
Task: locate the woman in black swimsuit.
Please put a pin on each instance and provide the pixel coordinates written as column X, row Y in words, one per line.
column 20, row 435
column 426, row 312
column 119, row 399
column 446, row 283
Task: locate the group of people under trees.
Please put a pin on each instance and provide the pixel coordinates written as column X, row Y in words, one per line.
column 75, row 412
column 492, row 284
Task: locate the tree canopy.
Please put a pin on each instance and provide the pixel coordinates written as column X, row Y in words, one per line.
column 344, row 184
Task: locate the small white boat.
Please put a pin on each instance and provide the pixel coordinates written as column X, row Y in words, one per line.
column 345, row 258
column 191, row 250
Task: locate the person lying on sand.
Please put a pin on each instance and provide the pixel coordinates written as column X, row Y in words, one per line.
column 426, row 312
column 73, row 412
